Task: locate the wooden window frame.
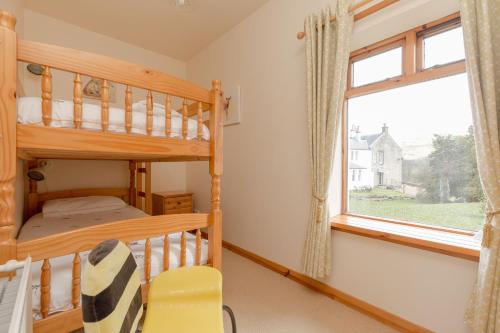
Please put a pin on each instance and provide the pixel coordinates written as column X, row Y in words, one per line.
column 412, row 72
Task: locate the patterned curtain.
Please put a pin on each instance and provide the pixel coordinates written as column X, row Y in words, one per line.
column 327, row 53
column 481, row 24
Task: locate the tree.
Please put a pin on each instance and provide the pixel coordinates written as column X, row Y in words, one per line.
column 452, row 170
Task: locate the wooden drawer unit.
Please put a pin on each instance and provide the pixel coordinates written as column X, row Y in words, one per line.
column 165, row 203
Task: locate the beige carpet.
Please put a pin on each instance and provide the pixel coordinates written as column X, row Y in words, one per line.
column 266, row 302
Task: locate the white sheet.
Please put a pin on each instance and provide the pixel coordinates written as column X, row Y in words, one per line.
column 29, row 111
column 61, row 267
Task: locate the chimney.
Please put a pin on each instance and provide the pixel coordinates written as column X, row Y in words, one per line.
column 385, row 129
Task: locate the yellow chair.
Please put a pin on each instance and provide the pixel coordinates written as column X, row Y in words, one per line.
column 186, row 300
column 181, row 300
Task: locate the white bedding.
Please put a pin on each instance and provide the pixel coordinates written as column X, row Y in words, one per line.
column 61, row 267
column 29, row 111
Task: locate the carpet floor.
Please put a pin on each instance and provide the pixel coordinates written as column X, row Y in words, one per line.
column 264, row 301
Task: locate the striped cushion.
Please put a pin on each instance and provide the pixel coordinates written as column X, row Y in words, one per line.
column 111, row 290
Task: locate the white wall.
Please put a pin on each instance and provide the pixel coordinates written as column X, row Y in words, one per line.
column 87, row 174
column 266, row 181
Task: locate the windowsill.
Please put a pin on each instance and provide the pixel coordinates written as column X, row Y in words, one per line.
column 440, row 241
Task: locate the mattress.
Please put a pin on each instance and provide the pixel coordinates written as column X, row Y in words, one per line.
column 61, row 267
column 29, row 112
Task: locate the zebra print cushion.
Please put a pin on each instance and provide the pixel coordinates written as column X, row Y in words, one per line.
column 111, row 290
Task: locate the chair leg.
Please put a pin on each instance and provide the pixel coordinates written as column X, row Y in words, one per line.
column 231, row 315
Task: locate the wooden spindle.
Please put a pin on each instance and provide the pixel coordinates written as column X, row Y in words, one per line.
column 149, row 113
column 200, row 121
column 46, row 96
column 168, row 116
column 105, row 105
column 77, row 101
column 45, row 289
column 183, row 249
column 198, row 248
column 75, row 290
column 128, row 109
column 147, row 261
column 185, row 119
column 166, row 253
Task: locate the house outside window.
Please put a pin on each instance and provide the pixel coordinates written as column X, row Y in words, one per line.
column 411, row 125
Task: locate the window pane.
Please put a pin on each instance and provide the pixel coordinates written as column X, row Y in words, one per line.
column 416, row 155
column 377, row 68
column 444, row 48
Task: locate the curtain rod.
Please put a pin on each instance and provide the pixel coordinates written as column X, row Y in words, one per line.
column 370, row 10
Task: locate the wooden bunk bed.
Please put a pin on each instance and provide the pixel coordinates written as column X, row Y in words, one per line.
column 31, row 142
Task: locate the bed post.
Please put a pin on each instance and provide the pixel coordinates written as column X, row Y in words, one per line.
column 8, row 72
column 215, row 217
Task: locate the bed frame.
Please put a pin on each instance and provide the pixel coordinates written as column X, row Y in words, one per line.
column 30, row 143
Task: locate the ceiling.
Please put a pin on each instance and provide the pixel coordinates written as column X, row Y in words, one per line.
column 156, row 25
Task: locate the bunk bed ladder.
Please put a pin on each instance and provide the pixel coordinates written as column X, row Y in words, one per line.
column 140, row 186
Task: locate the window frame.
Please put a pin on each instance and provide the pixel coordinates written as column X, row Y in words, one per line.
column 412, row 72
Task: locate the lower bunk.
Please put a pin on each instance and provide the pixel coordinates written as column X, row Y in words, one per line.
column 59, row 240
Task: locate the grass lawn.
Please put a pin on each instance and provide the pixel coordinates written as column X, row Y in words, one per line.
column 392, row 204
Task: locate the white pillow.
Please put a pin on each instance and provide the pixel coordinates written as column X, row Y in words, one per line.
column 158, row 109
column 81, row 205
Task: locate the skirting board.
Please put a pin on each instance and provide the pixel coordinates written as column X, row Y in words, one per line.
column 383, row 316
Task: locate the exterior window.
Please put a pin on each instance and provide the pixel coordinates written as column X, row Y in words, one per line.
column 380, row 157
column 377, row 68
column 418, row 151
column 443, row 47
column 353, row 175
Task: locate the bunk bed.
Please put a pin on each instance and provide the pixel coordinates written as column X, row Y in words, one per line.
column 167, row 136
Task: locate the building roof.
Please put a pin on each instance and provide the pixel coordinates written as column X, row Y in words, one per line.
column 357, row 144
column 370, row 138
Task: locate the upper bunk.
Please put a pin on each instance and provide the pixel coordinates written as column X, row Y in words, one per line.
column 176, row 120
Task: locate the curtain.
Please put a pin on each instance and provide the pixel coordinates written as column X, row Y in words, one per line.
column 327, row 54
column 481, row 24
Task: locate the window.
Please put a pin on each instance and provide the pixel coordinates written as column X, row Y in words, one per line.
column 379, row 67
column 443, row 44
column 380, row 157
column 418, row 133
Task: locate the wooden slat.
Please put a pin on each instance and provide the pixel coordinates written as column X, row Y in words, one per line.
column 128, row 109
column 39, row 142
column 197, row 260
column 75, row 290
column 148, row 198
column 77, row 101
column 45, row 288
column 183, row 249
column 193, row 109
column 200, row 121
column 108, row 68
column 46, row 96
column 140, row 188
column 80, row 240
column 131, row 189
column 105, row 105
column 147, row 261
column 67, row 321
column 168, row 116
column 149, row 113
column 185, row 119
column 166, row 253
column 8, row 117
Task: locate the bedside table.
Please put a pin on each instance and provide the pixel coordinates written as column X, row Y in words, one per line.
column 165, row 203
